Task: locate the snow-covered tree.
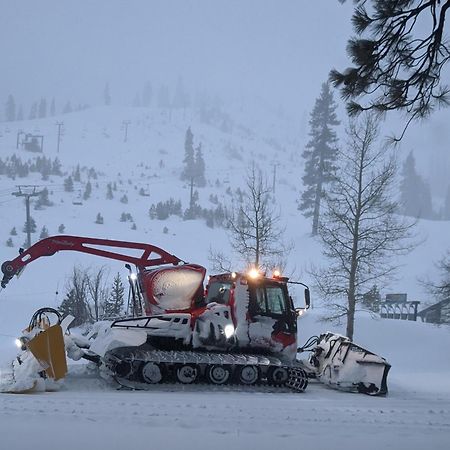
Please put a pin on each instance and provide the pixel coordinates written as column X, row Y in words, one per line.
column 109, row 191
column 9, row 242
column 113, row 306
column 319, row 155
column 33, row 111
column 147, row 93
column 77, row 174
column 31, row 224
column 415, row 195
column 68, row 184
column 61, row 228
column 10, row 109
column 99, row 219
column 199, row 163
column 106, row 95
column 189, row 171
column 42, row 110
column 44, row 233
column 52, row 107
column 87, row 190
column 13, row 231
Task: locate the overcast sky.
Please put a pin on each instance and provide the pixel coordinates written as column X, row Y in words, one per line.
column 278, row 49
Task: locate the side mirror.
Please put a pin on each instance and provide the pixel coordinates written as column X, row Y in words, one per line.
column 307, row 298
column 301, row 311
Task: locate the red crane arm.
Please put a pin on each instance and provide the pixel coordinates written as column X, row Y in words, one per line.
column 151, row 255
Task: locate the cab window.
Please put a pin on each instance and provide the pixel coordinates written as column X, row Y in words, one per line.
column 270, row 301
column 218, row 292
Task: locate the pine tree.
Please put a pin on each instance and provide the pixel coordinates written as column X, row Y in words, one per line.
column 114, row 304
column 319, row 155
column 56, row 167
column 44, row 233
column 10, row 109
column 42, row 111
column 20, row 113
column 13, row 231
column 53, row 107
column 9, row 242
column 43, row 199
column 124, row 199
column 33, row 111
column 415, row 196
column 147, row 94
column 87, row 190
column 32, row 225
column 200, row 180
column 67, row 108
column 77, row 174
column 109, row 192
column 163, row 97
column 106, row 95
column 99, row 219
column 189, row 170
column 61, row 228
column 68, row 184
column 446, row 210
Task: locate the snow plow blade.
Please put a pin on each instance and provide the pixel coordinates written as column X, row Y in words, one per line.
column 338, row 362
column 48, row 348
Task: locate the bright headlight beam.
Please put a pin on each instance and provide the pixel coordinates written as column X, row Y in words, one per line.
column 228, row 330
column 18, row 343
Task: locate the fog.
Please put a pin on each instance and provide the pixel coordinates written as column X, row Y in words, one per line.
column 272, row 51
column 278, row 51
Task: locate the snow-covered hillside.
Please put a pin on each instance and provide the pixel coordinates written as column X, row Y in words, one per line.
column 147, row 170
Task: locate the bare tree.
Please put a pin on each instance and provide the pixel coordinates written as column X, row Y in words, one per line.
column 254, row 223
column 399, row 57
column 76, row 301
column 360, row 231
column 98, row 292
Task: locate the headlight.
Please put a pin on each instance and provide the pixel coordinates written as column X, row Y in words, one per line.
column 228, row 330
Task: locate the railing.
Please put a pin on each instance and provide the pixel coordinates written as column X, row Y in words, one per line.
column 399, row 310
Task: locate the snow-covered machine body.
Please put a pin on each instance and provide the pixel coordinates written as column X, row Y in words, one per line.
column 240, row 327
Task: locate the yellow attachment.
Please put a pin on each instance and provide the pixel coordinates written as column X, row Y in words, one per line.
column 48, row 348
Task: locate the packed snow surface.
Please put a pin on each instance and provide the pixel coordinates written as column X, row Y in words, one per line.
column 89, row 411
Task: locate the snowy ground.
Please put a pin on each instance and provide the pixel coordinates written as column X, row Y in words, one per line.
column 90, row 412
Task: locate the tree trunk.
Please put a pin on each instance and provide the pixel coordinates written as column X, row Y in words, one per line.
column 316, row 213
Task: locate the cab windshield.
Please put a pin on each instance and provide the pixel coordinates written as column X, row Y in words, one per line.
column 218, row 292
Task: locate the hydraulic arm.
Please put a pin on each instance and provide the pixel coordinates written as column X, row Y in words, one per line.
column 151, row 255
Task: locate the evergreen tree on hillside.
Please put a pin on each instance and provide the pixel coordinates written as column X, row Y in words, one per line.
column 56, row 167
column 9, row 242
column 53, row 107
column 147, row 94
column 109, row 191
column 13, row 231
column 61, row 229
column 42, row 111
column 20, row 113
column 200, row 180
column 415, row 196
column 163, row 97
column 44, row 233
column 106, row 95
column 33, row 111
column 446, row 211
column 68, row 184
column 10, row 109
column 114, row 304
column 87, row 190
column 319, row 155
column 77, row 174
column 67, row 108
column 31, row 224
column 189, row 170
